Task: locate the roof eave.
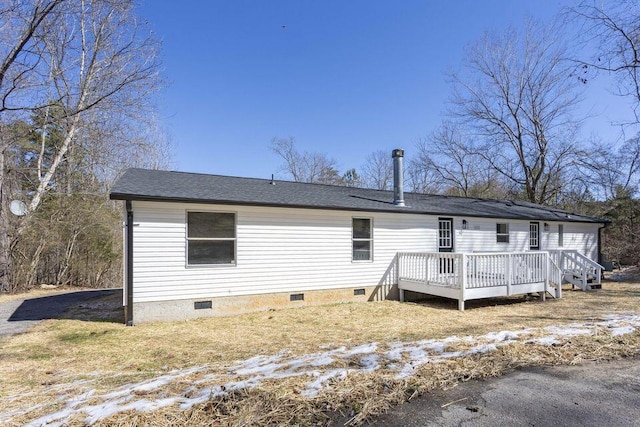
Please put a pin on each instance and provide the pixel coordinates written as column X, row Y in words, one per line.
column 400, row 210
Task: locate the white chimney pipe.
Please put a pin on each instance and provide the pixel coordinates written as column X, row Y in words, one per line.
column 398, row 177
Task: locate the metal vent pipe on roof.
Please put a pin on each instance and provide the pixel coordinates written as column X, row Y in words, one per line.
column 398, row 177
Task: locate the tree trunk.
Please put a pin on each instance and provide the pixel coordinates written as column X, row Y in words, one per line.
column 5, row 239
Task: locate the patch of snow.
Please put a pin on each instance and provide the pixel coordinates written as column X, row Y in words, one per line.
column 622, row 330
column 201, row 396
column 504, row 335
column 55, row 419
column 454, row 338
column 6, row 416
column 99, row 412
column 436, row 346
column 257, row 364
column 154, row 384
column 483, row 348
column 316, row 386
column 449, row 355
column 361, row 349
column 548, row 340
column 322, row 360
column 572, row 330
column 370, row 363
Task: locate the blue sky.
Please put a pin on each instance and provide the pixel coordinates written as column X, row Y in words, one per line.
column 345, row 78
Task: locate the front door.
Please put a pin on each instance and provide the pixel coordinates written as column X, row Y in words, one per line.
column 445, row 243
column 445, row 234
column 534, row 236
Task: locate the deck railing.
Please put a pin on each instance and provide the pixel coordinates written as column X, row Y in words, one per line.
column 467, row 276
column 555, row 276
column 482, row 269
column 574, row 263
column 438, row 268
column 504, row 269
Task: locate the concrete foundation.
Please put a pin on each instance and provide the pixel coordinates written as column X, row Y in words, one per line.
column 228, row 306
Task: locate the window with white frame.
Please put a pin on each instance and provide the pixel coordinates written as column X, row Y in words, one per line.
column 211, row 238
column 502, row 232
column 534, row 235
column 362, row 239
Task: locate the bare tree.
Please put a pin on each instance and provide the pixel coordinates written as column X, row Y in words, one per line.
column 20, row 25
column 108, row 72
column 613, row 30
column 608, row 171
column 516, row 99
column 421, row 177
column 306, row 166
column 452, row 158
column 86, row 68
column 22, row 63
column 377, row 170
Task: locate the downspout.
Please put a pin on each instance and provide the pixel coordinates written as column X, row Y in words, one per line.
column 600, row 256
column 128, row 309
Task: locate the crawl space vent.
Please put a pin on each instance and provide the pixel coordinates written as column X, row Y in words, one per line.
column 296, row 297
column 201, row 305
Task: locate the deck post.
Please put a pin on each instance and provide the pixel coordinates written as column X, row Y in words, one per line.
column 558, row 273
column 559, row 285
column 399, row 272
column 509, row 273
column 426, row 270
column 546, row 278
column 463, row 280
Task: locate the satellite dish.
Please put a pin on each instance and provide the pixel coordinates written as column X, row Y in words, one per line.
column 18, row 207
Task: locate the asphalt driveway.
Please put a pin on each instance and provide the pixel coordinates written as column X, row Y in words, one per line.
column 593, row 394
column 18, row 316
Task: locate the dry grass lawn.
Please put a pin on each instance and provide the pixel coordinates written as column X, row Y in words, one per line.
column 66, row 350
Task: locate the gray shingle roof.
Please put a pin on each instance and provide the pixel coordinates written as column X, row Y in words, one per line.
column 144, row 184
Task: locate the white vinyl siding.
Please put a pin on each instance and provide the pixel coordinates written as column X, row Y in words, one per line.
column 480, row 236
column 294, row 250
column 582, row 237
column 278, row 250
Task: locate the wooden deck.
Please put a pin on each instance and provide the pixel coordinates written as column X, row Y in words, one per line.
column 465, row 276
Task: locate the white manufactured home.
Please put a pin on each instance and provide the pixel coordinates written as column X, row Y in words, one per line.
column 206, row 245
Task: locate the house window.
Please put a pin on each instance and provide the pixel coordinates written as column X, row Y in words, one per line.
column 534, row 235
column 211, row 238
column 502, row 232
column 560, row 235
column 362, row 238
